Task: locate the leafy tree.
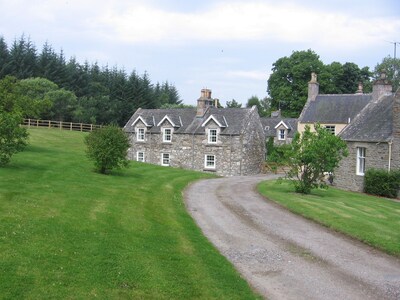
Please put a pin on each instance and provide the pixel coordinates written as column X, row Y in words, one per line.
column 63, row 103
column 392, row 68
column 13, row 137
column 233, row 104
column 107, row 147
column 287, row 85
column 32, row 96
column 262, row 105
column 311, row 155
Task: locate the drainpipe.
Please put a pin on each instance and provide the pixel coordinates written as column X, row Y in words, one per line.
column 390, row 154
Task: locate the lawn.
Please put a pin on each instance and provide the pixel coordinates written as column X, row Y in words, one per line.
column 373, row 220
column 68, row 232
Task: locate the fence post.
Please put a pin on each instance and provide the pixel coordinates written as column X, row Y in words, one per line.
column 70, row 126
column 81, row 126
column 60, row 125
column 49, row 124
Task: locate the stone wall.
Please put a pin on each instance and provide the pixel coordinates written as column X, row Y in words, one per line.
column 376, row 156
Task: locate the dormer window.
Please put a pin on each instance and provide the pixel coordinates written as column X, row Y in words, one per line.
column 212, row 136
column 281, row 134
column 167, row 135
column 140, row 134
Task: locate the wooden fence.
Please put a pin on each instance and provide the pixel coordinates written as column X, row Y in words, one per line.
column 60, row 124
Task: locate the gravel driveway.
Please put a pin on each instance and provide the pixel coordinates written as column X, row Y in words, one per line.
column 284, row 256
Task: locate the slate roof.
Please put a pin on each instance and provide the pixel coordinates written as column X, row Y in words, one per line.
column 373, row 124
column 335, row 109
column 270, row 123
column 233, row 120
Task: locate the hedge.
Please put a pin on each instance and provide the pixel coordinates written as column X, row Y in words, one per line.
column 382, row 183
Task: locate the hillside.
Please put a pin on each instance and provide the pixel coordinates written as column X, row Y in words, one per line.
column 67, row 232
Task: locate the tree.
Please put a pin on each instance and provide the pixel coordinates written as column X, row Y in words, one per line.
column 233, row 104
column 263, row 106
column 392, row 68
column 311, row 156
column 32, row 96
column 287, row 85
column 107, row 147
column 13, row 138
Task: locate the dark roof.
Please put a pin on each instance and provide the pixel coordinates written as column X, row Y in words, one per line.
column 270, row 123
column 232, row 120
column 373, row 124
column 336, row 109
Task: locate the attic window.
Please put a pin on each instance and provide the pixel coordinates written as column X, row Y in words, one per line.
column 281, row 134
column 212, row 136
column 140, row 134
column 167, row 135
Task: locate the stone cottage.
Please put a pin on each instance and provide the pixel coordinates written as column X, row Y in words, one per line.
column 282, row 130
column 334, row 111
column 373, row 138
column 227, row 141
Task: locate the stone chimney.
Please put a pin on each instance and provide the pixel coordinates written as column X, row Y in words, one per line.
column 360, row 89
column 313, row 87
column 204, row 102
column 381, row 87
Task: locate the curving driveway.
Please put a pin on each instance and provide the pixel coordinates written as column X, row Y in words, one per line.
column 284, row 256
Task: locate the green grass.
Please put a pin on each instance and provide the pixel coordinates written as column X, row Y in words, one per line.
column 373, row 220
column 67, row 232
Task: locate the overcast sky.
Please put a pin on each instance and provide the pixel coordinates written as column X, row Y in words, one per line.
column 227, row 46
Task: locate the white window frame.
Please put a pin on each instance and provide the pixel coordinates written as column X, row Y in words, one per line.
column 361, row 151
column 281, row 132
column 210, row 163
column 165, row 157
column 212, row 136
column 140, row 156
column 165, row 135
column 331, row 128
column 140, row 137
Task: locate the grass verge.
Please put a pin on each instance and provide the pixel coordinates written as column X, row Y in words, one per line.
column 67, row 232
column 373, row 220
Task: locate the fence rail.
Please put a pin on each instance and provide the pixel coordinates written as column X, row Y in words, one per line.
column 60, row 124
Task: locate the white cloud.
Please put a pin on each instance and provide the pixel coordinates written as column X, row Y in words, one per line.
column 245, row 21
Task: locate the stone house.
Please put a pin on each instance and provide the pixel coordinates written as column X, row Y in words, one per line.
column 334, row 111
column 282, row 130
column 373, row 138
column 227, row 141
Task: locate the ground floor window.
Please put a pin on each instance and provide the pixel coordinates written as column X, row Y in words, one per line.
column 165, row 159
column 209, row 161
column 140, row 156
column 331, row 129
column 360, row 160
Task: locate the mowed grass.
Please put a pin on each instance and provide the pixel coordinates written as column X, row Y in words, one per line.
column 67, row 232
column 373, row 220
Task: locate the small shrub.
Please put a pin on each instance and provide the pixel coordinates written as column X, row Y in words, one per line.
column 107, row 147
column 382, row 183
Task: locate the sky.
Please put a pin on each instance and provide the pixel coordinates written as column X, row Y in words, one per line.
column 226, row 46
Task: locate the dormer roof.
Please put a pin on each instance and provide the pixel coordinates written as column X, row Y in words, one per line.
column 281, row 123
column 219, row 120
column 174, row 120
